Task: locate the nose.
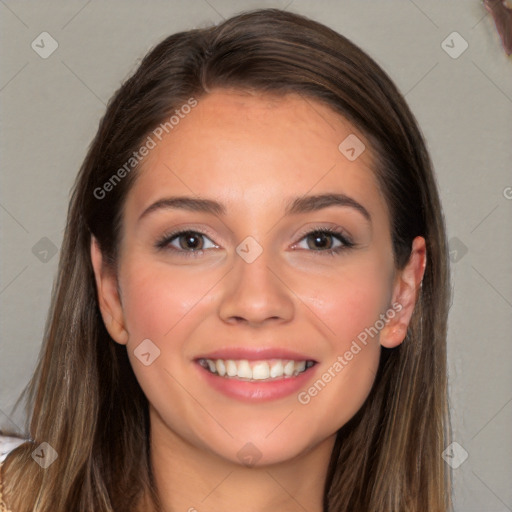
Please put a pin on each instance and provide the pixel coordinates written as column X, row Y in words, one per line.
column 256, row 294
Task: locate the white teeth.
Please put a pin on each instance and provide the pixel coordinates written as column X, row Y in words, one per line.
column 221, row 369
column 244, row 370
column 260, row 371
column 231, row 368
column 288, row 368
column 301, row 366
column 256, row 370
column 277, row 369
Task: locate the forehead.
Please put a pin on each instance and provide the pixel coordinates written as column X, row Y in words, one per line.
column 248, row 149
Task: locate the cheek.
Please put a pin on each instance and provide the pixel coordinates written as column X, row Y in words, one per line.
column 348, row 301
column 349, row 304
column 155, row 300
column 164, row 306
column 348, row 369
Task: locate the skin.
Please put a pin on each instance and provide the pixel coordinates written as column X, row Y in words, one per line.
column 252, row 153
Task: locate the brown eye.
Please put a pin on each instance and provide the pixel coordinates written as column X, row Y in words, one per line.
column 190, row 240
column 186, row 242
column 320, row 240
column 327, row 241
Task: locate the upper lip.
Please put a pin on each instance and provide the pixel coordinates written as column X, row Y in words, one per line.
column 255, row 354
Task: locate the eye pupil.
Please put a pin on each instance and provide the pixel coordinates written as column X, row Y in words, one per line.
column 196, row 240
column 320, row 239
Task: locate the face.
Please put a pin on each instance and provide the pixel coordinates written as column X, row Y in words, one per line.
column 267, row 268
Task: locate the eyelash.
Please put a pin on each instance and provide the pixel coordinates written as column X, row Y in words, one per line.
column 340, row 235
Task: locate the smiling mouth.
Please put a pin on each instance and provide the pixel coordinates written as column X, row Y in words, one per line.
column 256, row 371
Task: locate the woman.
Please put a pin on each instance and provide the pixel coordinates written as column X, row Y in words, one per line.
column 252, row 297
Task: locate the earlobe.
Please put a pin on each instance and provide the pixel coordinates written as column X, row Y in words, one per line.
column 108, row 296
column 406, row 289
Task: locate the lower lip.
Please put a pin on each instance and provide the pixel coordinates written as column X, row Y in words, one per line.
column 257, row 391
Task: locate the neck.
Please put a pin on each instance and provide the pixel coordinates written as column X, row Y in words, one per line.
column 189, row 478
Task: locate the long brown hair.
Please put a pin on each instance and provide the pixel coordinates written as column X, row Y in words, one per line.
column 84, row 399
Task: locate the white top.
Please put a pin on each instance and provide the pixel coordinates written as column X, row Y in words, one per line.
column 8, row 444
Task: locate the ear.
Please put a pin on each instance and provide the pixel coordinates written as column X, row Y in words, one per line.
column 108, row 296
column 406, row 289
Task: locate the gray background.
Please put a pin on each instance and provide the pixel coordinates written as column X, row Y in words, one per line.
column 50, row 111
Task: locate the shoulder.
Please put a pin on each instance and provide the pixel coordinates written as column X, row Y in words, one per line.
column 8, row 444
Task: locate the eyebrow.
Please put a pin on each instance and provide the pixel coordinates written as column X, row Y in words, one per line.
column 298, row 205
